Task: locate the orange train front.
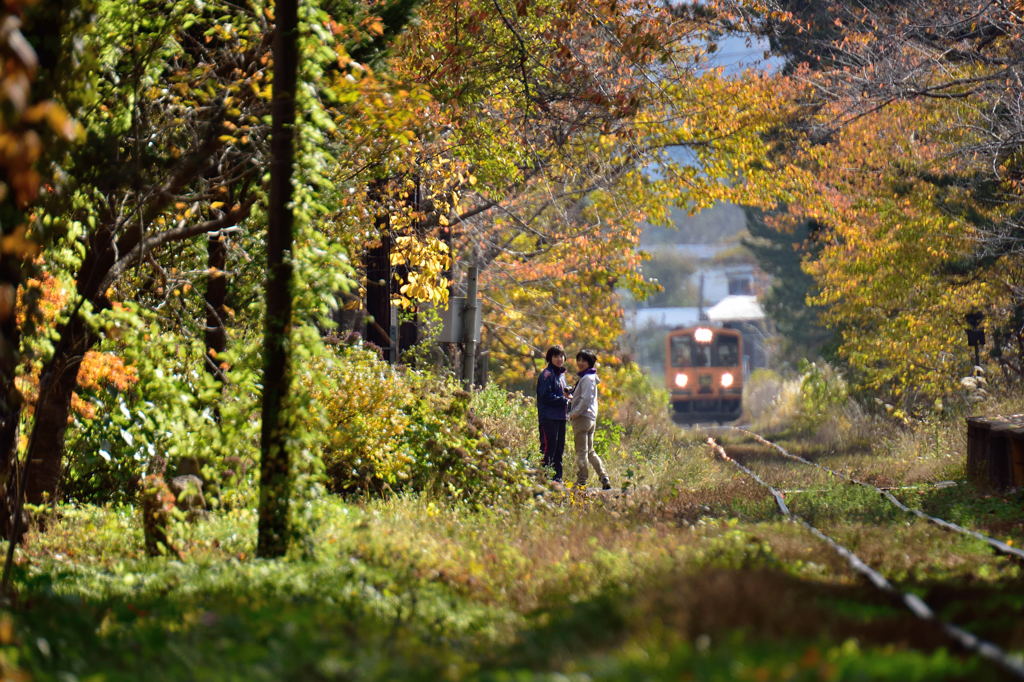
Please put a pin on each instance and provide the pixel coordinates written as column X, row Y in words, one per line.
column 704, row 374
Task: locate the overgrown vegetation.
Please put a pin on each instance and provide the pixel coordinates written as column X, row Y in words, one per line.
column 691, row 572
column 148, row 205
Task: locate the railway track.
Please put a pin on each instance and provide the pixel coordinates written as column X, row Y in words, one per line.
column 969, row 641
column 997, row 545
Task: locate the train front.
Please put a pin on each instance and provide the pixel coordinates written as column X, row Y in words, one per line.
column 704, row 374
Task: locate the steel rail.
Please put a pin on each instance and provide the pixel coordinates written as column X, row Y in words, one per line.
column 997, row 545
column 992, row 652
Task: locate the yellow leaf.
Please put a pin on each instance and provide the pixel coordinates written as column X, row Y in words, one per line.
column 16, row 244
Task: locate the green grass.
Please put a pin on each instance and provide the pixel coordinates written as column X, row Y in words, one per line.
column 692, row 575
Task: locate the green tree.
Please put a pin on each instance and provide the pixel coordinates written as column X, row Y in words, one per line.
column 781, row 246
column 29, row 119
column 672, row 271
column 274, row 455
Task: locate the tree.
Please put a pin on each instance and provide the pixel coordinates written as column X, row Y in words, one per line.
column 29, row 119
column 274, row 460
column 781, row 244
column 908, row 153
column 672, row 271
column 559, row 116
column 166, row 125
column 175, row 105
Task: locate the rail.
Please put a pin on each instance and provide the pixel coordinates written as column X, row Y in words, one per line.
column 914, row 604
column 997, row 545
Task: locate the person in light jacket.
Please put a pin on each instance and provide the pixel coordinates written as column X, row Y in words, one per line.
column 552, row 406
column 583, row 417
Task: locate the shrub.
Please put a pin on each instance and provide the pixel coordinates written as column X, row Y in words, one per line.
column 174, row 410
column 760, row 393
column 452, row 453
column 822, row 389
column 817, row 400
column 363, row 404
column 392, row 429
column 628, row 394
column 509, row 416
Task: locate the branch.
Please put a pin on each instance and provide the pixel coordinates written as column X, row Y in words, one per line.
column 135, row 255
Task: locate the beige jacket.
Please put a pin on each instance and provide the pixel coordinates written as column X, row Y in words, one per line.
column 584, row 397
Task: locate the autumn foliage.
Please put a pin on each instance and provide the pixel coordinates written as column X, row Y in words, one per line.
column 906, row 154
column 99, row 369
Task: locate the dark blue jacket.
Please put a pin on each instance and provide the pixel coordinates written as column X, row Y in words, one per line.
column 551, row 400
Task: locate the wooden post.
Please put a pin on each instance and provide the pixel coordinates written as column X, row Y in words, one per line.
column 378, row 294
column 379, row 277
column 995, row 451
column 216, row 297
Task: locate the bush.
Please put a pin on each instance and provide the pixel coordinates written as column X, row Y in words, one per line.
column 452, row 453
column 508, row 416
column 175, row 410
column 760, row 393
column 630, row 396
column 815, row 402
column 363, row 404
column 822, row 389
column 389, row 430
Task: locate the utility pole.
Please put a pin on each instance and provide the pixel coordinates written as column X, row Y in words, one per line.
column 469, row 328
column 700, row 299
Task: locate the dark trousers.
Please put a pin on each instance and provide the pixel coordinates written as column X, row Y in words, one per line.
column 552, row 444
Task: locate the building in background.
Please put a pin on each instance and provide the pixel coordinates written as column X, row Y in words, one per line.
column 717, row 280
column 744, row 314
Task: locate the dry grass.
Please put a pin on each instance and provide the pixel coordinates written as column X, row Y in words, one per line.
column 692, row 549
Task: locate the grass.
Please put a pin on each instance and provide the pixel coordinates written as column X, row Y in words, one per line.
column 692, row 574
column 385, row 597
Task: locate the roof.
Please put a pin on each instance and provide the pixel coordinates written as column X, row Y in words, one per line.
column 664, row 317
column 736, row 309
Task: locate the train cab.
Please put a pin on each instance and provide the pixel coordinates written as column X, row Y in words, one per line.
column 704, row 374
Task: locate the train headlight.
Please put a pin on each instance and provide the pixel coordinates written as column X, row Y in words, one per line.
column 681, row 380
column 703, row 335
column 727, row 379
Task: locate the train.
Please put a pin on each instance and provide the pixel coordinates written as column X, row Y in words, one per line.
column 704, row 374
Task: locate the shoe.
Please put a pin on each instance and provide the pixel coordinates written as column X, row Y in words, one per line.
column 606, row 484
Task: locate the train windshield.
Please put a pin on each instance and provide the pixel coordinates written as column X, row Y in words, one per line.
column 723, row 351
column 728, row 350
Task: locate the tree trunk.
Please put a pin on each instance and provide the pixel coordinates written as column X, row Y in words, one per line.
column 56, row 384
column 409, row 328
column 10, row 397
column 274, row 461
column 59, row 376
column 378, row 297
column 216, row 296
column 377, row 262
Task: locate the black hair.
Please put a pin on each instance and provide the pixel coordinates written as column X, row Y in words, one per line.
column 589, row 356
column 553, row 351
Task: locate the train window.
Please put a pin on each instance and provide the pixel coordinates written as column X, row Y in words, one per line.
column 682, row 350
column 725, row 351
column 701, row 355
column 686, row 353
column 728, row 350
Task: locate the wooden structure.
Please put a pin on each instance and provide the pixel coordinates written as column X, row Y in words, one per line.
column 995, row 451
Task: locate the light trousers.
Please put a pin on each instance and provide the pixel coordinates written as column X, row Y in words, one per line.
column 583, row 438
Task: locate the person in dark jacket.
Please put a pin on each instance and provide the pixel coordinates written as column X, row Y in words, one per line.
column 552, row 408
